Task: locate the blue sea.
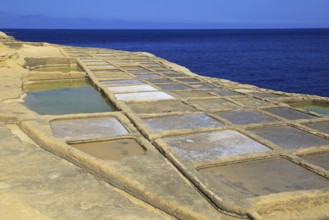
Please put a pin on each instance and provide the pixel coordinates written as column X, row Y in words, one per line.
column 291, row 60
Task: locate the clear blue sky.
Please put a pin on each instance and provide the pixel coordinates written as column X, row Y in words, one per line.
column 164, row 14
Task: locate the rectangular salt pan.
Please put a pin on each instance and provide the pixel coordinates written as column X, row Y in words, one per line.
column 136, row 88
column 288, row 113
column 319, row 126
column 246, row 117
column 122, row 82
column 212, row 145
column 160, row 107
column 144, row 96
column 188, row 121
column 261, row 177
column 111, row 149
column 87, row 128
column 289, row 137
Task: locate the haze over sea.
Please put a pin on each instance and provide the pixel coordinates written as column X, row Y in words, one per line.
column 291, row 60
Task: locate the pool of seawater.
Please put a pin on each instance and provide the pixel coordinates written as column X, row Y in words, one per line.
column 65, row 97
column 111, row 150
column 318, row 107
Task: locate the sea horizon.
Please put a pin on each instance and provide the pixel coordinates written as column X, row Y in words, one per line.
column 143, row 29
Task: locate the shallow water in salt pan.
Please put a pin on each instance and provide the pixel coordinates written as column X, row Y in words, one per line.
column 65, row 98
column 111, row 149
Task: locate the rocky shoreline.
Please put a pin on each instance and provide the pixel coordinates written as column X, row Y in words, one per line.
column 194, row 147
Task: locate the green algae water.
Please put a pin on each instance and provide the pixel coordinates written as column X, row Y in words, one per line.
column 318, row 107
column 58, row 98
